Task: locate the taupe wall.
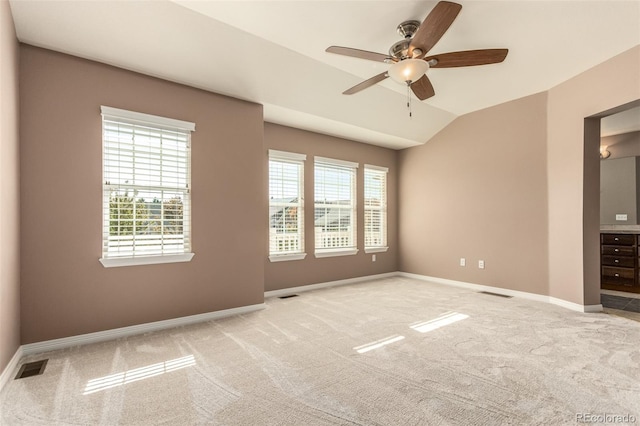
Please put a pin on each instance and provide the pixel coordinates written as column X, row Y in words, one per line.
column 279, row 275
column 478, row 190
column 505, row 185
column 9, row 190
column 459, row 191
column 65, row 290
column 573, row 172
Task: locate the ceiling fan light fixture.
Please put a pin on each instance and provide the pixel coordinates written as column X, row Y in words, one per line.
column 408, row 71
column 408, row 57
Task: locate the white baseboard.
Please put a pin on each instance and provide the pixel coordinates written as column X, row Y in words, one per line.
column 478, row 287
column 507, row 292
column 575, row 306
column 101, row 336
column 10, row 369
column 116, row 333
column 470, row 286
column 300, row 289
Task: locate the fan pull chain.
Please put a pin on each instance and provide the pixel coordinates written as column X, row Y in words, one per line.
column 409, row 99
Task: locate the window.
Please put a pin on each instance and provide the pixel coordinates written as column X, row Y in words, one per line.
column 335, row 207
column 146, row 181
column 375, row 209
column 286, row 206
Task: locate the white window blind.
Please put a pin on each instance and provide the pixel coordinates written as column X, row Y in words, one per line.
column 335, row 205
column 375, row 206
column 146, row 200
column 286, row 205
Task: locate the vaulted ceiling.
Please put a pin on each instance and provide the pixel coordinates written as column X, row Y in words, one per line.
column 273, row 53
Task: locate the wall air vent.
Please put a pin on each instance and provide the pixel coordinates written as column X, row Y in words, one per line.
column 31, row 369
column 288, row 296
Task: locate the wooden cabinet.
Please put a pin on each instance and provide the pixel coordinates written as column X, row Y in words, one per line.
column 619, row 262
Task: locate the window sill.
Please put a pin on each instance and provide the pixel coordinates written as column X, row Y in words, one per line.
column 285, row 257
column 145, row 260
column 336, row 252
column 375, row 249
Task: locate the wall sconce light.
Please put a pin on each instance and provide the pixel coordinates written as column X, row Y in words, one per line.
column 604, row 153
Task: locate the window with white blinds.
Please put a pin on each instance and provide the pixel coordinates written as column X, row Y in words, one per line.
column 286, row 205
column 335, row 207
column 146, row 184
column 375, row 208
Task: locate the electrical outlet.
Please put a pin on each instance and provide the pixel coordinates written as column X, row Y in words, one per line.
column 621, row 217
column 463, row 261
column 481, row 264
column 373, row 257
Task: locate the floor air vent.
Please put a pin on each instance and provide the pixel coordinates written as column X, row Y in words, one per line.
column 31, row 369
column 288, row 296
column 496, row 294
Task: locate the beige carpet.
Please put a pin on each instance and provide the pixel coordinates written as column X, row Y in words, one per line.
column 388, row 352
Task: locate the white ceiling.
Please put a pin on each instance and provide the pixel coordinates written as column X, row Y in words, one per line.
column 272, row 52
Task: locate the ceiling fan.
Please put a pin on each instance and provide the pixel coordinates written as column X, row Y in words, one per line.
column 409, row 56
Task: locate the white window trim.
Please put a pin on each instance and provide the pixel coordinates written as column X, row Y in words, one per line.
column 112, row 262
column 284, row 155
column 342, row 251
column 379, row 249
column 286, row 257
column 133, row 117
column 375, row 249
column 335, row 252
column 138, row 118
column 334, row 162
column 377, row 168
column 293, row 157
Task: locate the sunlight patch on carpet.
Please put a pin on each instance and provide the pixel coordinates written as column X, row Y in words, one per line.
column 377, row 344
column 441, row 321
column 129, row 376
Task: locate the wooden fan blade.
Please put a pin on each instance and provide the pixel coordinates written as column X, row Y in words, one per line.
column 434, row 26
column 423, row 88
column 468, row 58
column 367, row 83
column 357, row 53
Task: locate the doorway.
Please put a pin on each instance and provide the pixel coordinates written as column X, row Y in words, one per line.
column 593, row 127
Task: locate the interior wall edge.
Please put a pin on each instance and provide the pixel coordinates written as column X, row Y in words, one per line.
column 9, row 188
column 11, row 367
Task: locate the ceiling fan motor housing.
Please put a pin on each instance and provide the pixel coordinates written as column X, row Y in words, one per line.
column 406, row 29
column 400, row 50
